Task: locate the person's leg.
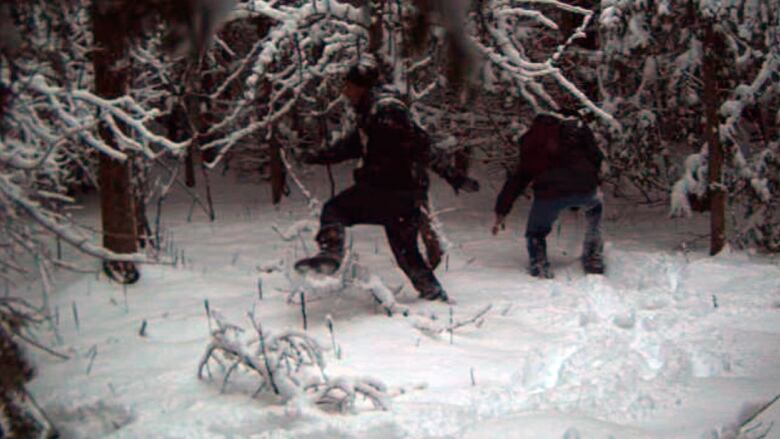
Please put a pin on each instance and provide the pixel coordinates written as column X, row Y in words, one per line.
column 402, row 236
column 350, row 207
column 593, row 245
column 543, row 214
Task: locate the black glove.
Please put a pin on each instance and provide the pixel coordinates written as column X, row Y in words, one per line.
column 465, row 184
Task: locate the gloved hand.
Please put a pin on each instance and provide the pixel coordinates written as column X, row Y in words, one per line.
column 465, row 184
column 499, row 224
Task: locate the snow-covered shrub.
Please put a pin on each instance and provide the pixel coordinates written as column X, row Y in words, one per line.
column 289, row 364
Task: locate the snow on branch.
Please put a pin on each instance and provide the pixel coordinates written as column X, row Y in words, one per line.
column 351, row 274
column 504, row 50
column 123, row 109
column 282, row 70
column 45, row 123
column 290, row 365
column 434, row 325
column 64, row 230
column 742, row 96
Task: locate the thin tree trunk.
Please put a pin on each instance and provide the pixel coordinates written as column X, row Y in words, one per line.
column 278, row 174
column 375, row 37
column 192, row 109
column 198, row 119
column 716, row 186
column 189, row 167
column 116, row 193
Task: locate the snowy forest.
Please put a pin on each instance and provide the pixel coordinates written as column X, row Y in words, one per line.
column 167, row 165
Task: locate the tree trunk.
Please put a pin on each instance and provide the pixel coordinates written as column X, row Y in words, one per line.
column 278, row 174
column 116, row 193
column 189, row 166
column 377, row 8
column 716, row 188
column 192, row 104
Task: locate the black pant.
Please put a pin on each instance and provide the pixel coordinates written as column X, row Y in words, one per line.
column 399, row 213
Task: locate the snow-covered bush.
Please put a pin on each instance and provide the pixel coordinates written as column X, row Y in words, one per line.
column 290, row 365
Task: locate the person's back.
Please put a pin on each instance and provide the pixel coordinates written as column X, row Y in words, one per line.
column 396, row 148
column 560, row 157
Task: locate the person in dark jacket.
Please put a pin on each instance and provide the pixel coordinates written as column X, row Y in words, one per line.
column 560, row 158
column 390, row 186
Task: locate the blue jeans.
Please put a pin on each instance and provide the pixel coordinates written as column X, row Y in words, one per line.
column 544, row 212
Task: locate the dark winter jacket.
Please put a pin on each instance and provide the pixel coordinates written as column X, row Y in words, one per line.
column 396, row 152
column 559, row 156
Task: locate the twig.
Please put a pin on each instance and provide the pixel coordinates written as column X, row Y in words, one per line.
column 759, row 411
column 76, row 316
column 208, row 312
column 336, row 349
column 43, row 348
column 451, row 329
column 303, row 310
column 124, row 293
column 92, row 354
column 259, row 330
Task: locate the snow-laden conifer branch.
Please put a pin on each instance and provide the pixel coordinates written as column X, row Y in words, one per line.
column 65, row 230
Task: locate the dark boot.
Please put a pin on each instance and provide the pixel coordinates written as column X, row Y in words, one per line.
column 537, row 253
column 429, row 288
column 402, row 237
column 328, row 260
column 593, row 256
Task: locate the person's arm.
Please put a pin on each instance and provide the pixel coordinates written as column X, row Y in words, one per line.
column 439, row 162
column 519, row 178
column 592, row 150
column 348, row 147
column 514, row 186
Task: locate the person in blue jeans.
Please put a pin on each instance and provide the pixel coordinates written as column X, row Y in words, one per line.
column 560, row 158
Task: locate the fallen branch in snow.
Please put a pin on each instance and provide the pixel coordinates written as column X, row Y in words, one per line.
column 294, row 231
column 432, row 326
column 314, row 203
column 340, row 393
column 290, row 364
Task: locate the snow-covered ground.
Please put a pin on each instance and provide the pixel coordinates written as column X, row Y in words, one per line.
column 669, row 344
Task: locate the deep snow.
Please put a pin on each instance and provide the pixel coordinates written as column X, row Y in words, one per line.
column 670, row 344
